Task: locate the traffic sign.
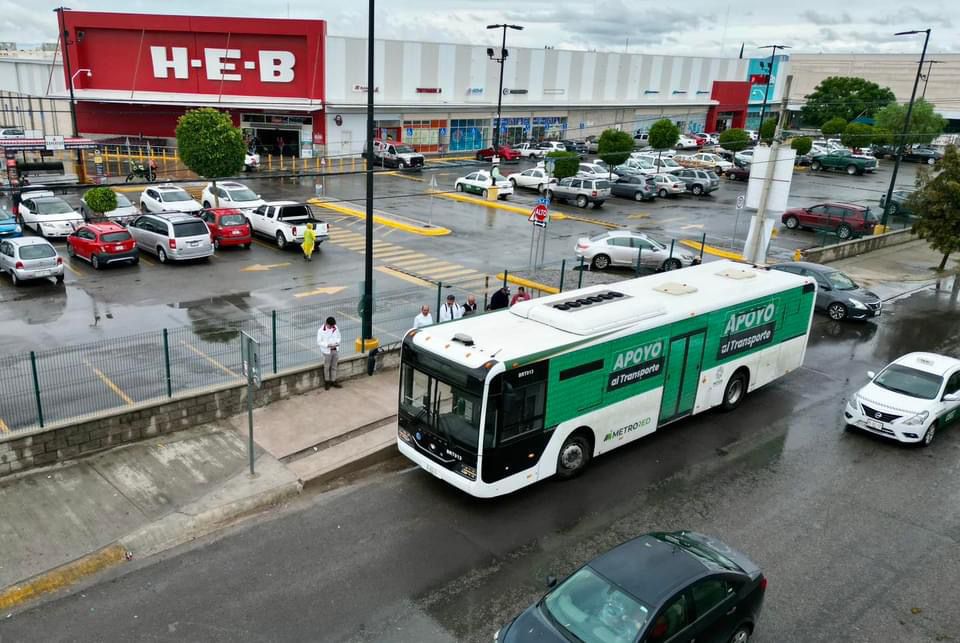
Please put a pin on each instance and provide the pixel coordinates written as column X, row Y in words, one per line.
column 443, row 131
column 409, row 131
column 251, row 359
column 540, row 215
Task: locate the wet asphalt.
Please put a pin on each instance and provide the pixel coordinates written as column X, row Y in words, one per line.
column 858, row 536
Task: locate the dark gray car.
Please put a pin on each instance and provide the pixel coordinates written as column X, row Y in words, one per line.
column 698, row 181
column 837, row 294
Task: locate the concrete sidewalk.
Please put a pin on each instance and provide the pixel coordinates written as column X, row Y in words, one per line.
column 897, row 269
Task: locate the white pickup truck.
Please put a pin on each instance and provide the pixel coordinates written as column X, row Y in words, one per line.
column 285, row 221
column 530, row 151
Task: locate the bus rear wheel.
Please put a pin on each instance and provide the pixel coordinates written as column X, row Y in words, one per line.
column 735, row 391
column 574, row 457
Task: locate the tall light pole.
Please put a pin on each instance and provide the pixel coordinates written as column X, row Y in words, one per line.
column 926, row 77
column 766, row 89
column 366, row 322
column 65, row 51
column 500, row 59
column 906, row 122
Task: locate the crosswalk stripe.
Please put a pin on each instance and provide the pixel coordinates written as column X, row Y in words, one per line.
column 420, row 264
column 478, row 284
column 458, row 271
column 405, row 277
column 399, row 253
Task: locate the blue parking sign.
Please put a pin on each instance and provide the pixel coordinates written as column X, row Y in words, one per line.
column 443, row 131
column 409, row 131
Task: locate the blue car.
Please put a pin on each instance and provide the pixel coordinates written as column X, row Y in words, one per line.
column 9, row 227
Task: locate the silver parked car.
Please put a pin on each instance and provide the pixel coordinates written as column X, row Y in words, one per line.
column 837, row 294
column 698, row 181
column 626, row 247
column 171, row 236
column 26, row 258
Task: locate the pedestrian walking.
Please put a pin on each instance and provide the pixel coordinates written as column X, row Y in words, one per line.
column 309, row 242
column 423, row 319
column 500, row 299
column 328, row 339
column 450, row 310
column 470, row 307
column 522, row 295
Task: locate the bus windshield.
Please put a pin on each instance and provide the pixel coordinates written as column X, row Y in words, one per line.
column 443, row 408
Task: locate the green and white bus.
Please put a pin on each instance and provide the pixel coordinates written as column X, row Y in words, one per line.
column 494, row 403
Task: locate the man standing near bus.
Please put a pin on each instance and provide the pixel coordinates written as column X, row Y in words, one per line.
column 328, row 339
column 423, row 319
column 451, row 310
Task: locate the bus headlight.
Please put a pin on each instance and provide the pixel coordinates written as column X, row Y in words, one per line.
column 405, row 436
column 468, row 472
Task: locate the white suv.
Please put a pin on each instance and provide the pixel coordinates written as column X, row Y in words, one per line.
column 231, row 195
column 168, row 198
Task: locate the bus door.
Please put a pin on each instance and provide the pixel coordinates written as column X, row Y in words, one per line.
column 683, row 374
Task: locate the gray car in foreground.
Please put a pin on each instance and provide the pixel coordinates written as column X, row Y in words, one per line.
column 837, row 294
column 27, row 258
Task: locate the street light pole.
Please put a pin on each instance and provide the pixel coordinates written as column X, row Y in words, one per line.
column 926, row 78
column 366, row 323
column 906, row 124
column 501, row 59
column 64, row 41
column 766, row 89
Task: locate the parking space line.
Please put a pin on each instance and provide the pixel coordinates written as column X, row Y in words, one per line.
column 264, row 244
column 72, row 269
column 3, row 427
column 200, row 353
column 110, row 384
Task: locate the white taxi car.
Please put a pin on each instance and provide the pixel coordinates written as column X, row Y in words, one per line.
column 230, row 194
column 909, row 399
column 478, row 183
column 168, row 198
column 535, row 178
column 48, row 215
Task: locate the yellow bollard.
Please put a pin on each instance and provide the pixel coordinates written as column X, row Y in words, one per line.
column 163, row 155
column 269, row 161
column 316, row 162
column 353, row 164
column 294, row 162
column 281, row 161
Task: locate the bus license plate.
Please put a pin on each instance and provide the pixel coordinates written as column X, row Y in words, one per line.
column 429, row 468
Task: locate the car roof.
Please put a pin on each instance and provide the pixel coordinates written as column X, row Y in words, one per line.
column 282, row 203
column 230, row 184
column 172, row 216
column 106, row 226
column 29, row 241
column 166, row 187
column 222, row 211
column 809, row 265
column 649, row 569
column 845, row 204
column 928, row 362
column 35, row 193
column 47, row 197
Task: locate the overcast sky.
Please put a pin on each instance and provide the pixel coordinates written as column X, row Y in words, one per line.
column 700, row 27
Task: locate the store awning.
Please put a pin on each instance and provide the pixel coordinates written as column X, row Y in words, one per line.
column 34, row 144
column 197, row 100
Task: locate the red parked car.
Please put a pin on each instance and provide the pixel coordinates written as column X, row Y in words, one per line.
column 102, row 244
column 701, row 139
column 506, row 154
column 847, row 220
column 228, row 227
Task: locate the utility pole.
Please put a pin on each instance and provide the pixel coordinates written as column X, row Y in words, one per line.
column 906, row 126
column 926, row 77
column 757, row 252
column 366, row 340
column 502, row 60
column 65, row 52
column 766, row 89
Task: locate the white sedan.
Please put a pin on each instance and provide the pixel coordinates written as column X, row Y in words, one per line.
column 48, row 215
column 168, row 198
column 230, row 194
column 686, row 143
column 708, row 161
column 909, row 400
column 479, row 182
column 668, row 185
column 596, row 171
column 535, row 178
column 124, row 213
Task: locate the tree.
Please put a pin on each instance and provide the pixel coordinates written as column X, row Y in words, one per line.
column 857, row 135
column 844, row 97
column 663, row 135
column 100, row 200
column 210, row 145
column 614, row 147
column 565, row 164
column 925, row 124
column 734, row 140
column 802, row 144
column 937, row 204
column 882, row 136
column 768, row 129
column 833, row 127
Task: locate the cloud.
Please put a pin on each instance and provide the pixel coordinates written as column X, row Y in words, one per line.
column 822, row 18
column 908, row 16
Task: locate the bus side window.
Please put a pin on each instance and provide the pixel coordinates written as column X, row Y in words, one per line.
column 523, row 409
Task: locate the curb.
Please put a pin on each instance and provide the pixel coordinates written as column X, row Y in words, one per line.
column 527, row 283
column 175, row 529
column 710, row 250
column 435, row 231
column 374, row 457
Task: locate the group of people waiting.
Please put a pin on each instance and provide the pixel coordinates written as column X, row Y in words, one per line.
column 452, row 310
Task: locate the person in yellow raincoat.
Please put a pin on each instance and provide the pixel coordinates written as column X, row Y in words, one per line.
column 309, row 241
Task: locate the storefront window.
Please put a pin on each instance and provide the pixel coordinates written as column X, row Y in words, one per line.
column 423, row 135
column 467, row 134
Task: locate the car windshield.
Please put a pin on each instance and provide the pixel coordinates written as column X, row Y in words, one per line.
column 839, row 281
column 122, row 200
column 441, row 407
column 594, row 610
column 232, row 219
column 5, row 216
column 669, row 162
column 404, row 149
column 190, row 229
column 242, row 194
column 53, row 206
column 115, row 237
column 701, row 550
column 176, row 196
column 37, row 251
column 909, row 381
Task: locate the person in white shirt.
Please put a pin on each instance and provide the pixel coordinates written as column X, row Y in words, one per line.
column 424, row 318
column 328, row 339
column 450, row 310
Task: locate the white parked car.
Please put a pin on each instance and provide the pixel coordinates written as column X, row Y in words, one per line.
column 479, row 182
column 640, row 165
column 686, row 143
column 596, row 171
column 663, row 164
column 744, row 158
column 168, row 198
column 231, row 195
column 752, row 133
column 124, row 213
column 48, row 215
column 251, row 161
column 668, row 185
column 535, row 178
column 627, row 248
column 909, row 400
column 706, row 161
column 26, row 258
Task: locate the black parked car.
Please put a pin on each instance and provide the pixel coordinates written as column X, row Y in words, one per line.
column 837, row 294
column 579, row 147
column 677, row 587
column 634, row 186
column 922, row 154
column 898, row 203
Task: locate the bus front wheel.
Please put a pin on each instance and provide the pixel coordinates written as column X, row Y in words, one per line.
column 574, row 456
column 735, row 391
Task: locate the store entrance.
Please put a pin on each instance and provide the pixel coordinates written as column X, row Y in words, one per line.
column 276, row 141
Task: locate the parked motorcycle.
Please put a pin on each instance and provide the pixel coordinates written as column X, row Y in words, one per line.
column 143, row 172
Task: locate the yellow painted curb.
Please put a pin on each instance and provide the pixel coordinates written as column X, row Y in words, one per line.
column 527, row 283
column 559, row 216
column 62, row 576
column 710, row 250
column 436, row 231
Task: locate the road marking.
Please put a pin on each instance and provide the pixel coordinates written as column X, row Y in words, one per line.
column 710, row 250
column 398, row 254
column 210, row 359
column 388, row 232
column 3, row 427
column 399, row 175
column 692, row 226
column 642, row 215
column 437, row 264
column 266, row 245
column 458, row 271
column 330, row 290
column 671, row 220
column 260, row 267
column 110, row 384
column 434, row 231
column 72, row 269
column 405, row 277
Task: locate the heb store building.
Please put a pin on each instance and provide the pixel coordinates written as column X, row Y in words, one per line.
column 293, row 88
